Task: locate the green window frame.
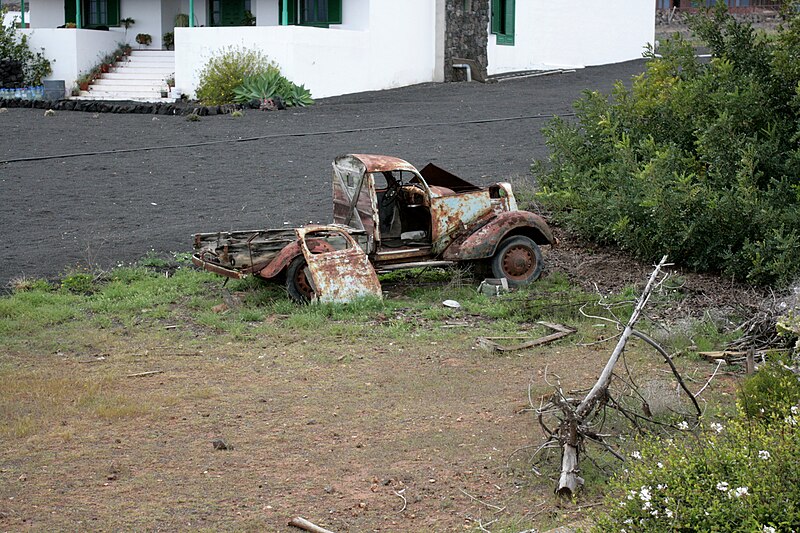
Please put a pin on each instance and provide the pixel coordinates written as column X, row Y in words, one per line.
column 503, row 21
column 94, row 13
column 320, row 13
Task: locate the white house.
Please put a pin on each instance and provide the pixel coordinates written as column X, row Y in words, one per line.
column 344, row 46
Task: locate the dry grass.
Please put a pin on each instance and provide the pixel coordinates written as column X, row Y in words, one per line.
column 332, row 412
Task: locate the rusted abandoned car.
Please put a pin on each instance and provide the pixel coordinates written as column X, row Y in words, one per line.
column 388, row 214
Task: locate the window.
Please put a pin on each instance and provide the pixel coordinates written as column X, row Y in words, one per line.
column 94, row 13
column 503, row 21
column 310, row 12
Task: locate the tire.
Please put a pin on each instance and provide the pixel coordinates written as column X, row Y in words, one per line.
column 297, row 285
column 519, row 260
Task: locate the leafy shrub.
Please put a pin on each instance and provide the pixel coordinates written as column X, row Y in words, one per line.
column 696, row 159
column 763, row 394
column 226, row 71
column 744, row 477
column 35, row 65
column 78, row 282
column 269, row 84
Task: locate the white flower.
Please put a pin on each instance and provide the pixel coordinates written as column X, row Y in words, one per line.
column 636, row 455
column 723, row 486
column 683, row 425
column 661, row 486
column 716, row 427
column 668, row 512
column 768, row 529
column 763, row 454
column 644, row 494
column 629, row 521
column 795, row 410
column 654, row 512
column 660, row 465
column 792, row 421
column 740, row 491
column 646, row 506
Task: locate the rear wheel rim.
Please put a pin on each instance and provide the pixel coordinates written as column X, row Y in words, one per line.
column 302, row 284
column 519, row 263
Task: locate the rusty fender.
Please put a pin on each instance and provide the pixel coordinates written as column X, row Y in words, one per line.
column 483, row 242
column 289, row 252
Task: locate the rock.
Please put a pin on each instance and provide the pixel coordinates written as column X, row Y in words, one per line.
column 220, row 444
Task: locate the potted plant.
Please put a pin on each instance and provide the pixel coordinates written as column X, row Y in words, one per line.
column 169, row 40
column 83, row 81
column 144, row 39
column 126, row 49
column 181, row 20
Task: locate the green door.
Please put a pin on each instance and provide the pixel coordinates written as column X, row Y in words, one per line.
column 227, row 12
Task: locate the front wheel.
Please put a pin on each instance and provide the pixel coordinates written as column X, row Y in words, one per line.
column 519, row 260
column 297, row 283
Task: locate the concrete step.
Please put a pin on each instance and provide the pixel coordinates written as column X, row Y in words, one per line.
column 127, row 82
column 86, row 96
column 139, row 77
column 152, row 53
column 106, row 87
column 160, row 67
column 132, row 75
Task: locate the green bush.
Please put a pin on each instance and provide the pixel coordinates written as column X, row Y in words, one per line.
column 762, row 396
column 269, row 84
column 697, row 159
column 742, row 477
column 226, row 70
column 35, row 65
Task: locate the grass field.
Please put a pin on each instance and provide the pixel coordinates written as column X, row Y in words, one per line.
column 378, row 415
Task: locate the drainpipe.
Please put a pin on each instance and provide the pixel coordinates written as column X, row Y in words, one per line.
column 78, row 14
column 191, row 13
column 285, row 14
column 22, row 8
column 466, row 67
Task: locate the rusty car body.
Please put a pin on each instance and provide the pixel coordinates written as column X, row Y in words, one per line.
column 400, row 218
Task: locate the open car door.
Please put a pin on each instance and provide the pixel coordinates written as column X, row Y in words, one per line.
column 339, row 275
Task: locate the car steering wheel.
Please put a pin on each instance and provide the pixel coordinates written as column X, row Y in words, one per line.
column 390, row 195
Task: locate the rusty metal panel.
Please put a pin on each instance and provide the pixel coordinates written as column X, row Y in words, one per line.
column 381, row 163
column 482, row 242
column 353, row 196
column 451, row 215
column 340, row 275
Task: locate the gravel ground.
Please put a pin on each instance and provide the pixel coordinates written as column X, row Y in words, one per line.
column 100, row 210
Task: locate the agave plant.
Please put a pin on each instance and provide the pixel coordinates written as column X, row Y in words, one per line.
column 269, row 84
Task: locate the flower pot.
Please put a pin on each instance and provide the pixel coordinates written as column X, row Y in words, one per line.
column 84, row 86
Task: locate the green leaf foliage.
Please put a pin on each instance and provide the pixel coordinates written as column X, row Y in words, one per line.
column 697, row 159
column 269, row 84
column 743, row 475
column 35, row 66
column 227, row 70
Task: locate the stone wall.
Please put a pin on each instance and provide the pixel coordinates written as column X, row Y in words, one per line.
column 765, row 16
column 466, row 35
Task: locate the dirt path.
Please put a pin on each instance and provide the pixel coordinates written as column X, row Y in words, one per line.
column 105, row 209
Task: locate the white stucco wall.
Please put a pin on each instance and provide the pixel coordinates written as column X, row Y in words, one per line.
column 574, row 33
column 13, row 17
column 71, row 51
column 328, row 61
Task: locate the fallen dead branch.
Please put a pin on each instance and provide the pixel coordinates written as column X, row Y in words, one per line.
column 302, row 523
column 576, row 416
column 489, row 505
column 142, row 374
column 399, row 494
column 490, row 344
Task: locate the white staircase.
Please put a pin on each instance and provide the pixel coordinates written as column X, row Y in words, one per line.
column 139, row 77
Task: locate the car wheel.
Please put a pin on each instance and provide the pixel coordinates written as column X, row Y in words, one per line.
column 297, row 283
column 519, row 260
